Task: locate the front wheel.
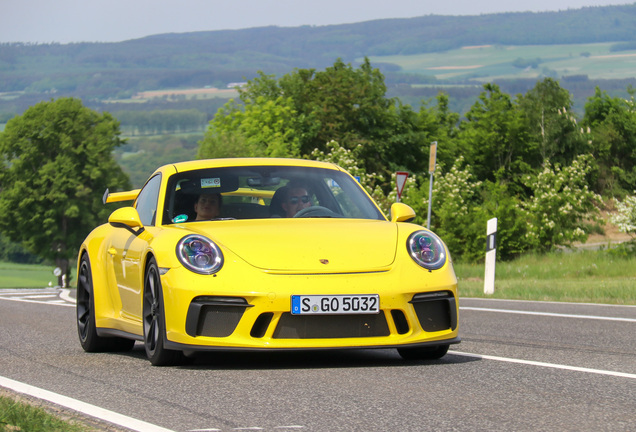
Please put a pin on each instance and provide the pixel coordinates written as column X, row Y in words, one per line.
column 154, row 320
column 423, row 353
column 86, row 328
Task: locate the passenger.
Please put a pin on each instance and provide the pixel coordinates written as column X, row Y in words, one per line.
column 208, row 206
column 296, row 199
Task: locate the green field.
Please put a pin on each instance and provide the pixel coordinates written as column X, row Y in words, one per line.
column 489, row 62
column 26, row 275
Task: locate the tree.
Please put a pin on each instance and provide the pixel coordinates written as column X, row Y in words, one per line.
column 262, row 128
column 491, row 139
column 612, row 124
column 15, row 253
column 56, row 162
column 560, row 205
column 440, row 124
column 551, row 130
column 306, row 109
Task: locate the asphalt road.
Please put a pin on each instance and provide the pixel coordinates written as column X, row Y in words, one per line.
column 521, row 366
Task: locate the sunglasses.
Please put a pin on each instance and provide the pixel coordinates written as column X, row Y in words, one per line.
column 294, row 200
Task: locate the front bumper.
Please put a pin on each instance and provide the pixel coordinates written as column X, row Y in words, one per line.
column 220, row 312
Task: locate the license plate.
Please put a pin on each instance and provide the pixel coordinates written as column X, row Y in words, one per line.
column 335, row 304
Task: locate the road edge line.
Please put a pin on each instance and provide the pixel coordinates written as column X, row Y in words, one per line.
column 549, row 314
column 543, row 364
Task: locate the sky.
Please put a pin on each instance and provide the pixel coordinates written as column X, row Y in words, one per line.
column 67, row 21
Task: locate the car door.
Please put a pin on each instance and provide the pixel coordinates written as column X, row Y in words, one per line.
column 127, row 249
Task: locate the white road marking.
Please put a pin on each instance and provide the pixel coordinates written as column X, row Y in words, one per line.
column 22, row 299
column 546, row 302
column 82, row 407
column 548, row 365
column 65, row 294
column 512, row 311
column 247, row 428
column 57, row 296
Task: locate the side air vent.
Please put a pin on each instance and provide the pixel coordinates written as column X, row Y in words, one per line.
column 401, row 324
column 260, row 325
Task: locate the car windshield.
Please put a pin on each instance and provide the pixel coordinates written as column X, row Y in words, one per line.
column 258, row 192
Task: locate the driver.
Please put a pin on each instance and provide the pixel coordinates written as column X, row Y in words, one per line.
column 296, row 199
column 208, row 206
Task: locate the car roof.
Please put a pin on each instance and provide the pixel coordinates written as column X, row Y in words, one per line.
column 238, row 162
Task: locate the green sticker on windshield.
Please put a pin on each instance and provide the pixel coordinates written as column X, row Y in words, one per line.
column 180, row 218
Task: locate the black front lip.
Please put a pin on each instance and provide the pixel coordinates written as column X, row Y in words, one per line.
column 187, row 347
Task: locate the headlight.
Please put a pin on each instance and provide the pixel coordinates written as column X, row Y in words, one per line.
column 199, row 254
column 426, row 249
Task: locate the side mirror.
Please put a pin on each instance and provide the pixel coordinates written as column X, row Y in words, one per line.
column 126, row 217
column 401, row 213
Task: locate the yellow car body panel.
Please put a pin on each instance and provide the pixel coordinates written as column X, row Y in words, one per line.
column 266, row 261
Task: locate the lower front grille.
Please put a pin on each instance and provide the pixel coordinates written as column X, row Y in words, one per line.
column 330, row 326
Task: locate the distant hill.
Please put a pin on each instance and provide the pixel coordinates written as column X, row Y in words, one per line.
column 97, row 71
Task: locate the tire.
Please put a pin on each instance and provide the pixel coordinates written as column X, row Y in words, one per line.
column 86, row 328
column 423, row 353
column 154, row 321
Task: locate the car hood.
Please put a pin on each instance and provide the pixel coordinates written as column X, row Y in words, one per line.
column 307, row 245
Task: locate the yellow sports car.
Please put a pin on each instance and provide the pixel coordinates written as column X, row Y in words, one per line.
column 262, row 254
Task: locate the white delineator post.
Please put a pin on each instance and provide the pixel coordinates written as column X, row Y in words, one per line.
column 491, row 256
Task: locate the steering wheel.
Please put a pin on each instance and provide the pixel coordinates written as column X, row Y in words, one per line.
column 316, row 212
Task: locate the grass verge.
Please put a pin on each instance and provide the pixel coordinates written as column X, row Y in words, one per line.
column 584, row 277
column 20, row 416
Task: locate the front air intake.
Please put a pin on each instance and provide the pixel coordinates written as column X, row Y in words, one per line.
column 214, row 316
column 435, row 311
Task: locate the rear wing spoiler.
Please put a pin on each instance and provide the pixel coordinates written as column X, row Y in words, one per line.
column 120, row 196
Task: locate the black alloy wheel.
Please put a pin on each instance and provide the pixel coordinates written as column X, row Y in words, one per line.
column 86, row 328
column 154, row 322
